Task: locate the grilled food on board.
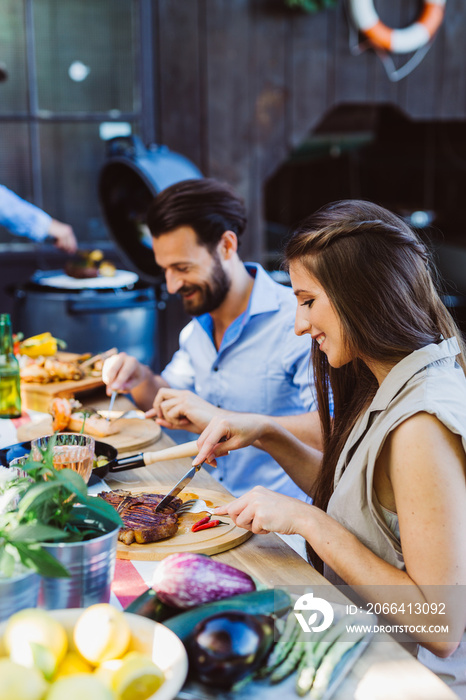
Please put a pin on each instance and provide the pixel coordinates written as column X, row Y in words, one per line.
column 141, row 523
column 67, row 415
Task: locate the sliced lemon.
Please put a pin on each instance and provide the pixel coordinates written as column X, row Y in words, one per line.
column 19, row 683
column 137, row 678
column 107, row 670
column 80, row 686
column 33, row 638
column 101, row 633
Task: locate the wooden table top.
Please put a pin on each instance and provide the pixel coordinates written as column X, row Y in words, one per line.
column 385, row 671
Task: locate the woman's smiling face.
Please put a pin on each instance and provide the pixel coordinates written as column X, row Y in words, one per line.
column 316, row 316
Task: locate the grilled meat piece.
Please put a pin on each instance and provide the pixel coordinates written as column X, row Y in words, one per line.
column 141, row 523
column 162, row 525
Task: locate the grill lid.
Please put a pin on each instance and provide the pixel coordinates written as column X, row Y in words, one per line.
column 132, row 176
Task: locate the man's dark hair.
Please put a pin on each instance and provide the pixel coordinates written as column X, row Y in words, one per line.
column 206, row 205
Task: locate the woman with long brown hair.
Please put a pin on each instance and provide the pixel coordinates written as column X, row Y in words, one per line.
column 389, row 491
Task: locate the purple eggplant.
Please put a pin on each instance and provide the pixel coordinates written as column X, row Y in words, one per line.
column 228, row 646
column 187, row 580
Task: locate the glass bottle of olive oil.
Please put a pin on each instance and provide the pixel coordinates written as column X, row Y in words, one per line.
column 10, row 392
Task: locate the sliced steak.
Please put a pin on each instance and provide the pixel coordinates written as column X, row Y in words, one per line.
column 141, row 523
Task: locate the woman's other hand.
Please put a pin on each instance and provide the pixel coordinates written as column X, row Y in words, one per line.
column 261, row 511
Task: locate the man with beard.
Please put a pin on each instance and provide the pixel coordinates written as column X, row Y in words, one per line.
column 240, row 352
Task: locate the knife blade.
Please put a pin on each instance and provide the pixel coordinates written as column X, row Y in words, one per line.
column 178, row 487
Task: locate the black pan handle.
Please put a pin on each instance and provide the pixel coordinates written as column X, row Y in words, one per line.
column 124, row 463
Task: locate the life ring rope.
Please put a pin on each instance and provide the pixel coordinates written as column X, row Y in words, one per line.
column 404, row 40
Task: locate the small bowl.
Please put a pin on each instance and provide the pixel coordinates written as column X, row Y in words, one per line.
column 150, row 638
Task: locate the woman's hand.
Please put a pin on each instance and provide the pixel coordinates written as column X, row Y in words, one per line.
column 231, row 432
column 262, row 511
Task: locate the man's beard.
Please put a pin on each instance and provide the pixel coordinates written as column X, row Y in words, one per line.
column 212, row 292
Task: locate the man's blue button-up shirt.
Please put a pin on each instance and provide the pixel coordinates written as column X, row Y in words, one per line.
column 260, row 367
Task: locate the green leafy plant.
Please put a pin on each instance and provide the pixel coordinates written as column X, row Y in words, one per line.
column 312, row 5
column 46, row 506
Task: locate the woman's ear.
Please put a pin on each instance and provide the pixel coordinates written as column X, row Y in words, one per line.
column 228, row 245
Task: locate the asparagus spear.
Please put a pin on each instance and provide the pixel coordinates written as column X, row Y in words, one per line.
column 282, row 647
column 291, row 661
column 329, row 662
column 316, row 652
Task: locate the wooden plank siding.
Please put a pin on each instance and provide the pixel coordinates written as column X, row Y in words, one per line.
column 451, row 95
column 310, row 88
column 178, row 70
column 240, row 83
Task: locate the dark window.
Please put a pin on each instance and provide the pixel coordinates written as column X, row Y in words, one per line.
column 74, row 79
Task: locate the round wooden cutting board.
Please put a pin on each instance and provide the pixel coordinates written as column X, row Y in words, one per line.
column 213, row 541
column 134, row 433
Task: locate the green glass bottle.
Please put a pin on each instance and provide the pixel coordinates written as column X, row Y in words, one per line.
column 10, row 391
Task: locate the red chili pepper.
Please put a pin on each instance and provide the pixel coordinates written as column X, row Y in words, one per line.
column 206, row 526
column 202, row 521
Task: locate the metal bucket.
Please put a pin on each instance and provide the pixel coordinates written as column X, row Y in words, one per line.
column 91, row 564
column 18, row 592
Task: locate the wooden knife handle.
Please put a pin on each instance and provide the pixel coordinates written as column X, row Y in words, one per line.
column 187, row 449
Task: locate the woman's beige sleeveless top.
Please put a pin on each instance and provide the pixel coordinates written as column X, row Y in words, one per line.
column 428, row 380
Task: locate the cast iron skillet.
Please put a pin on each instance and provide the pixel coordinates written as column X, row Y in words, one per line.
column 102, row 449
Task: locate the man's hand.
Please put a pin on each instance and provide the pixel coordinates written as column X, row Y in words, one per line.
column 179, row 408
column 63, row 235
column 123, row 372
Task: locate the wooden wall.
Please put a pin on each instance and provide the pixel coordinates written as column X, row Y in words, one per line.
column 239, row 83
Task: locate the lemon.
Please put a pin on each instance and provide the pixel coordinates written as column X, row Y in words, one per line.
column 107, row 670
column 80, row 686
column 33, row 638
column 73, row 663
column 19, row 683
column 137, row 678
column 101, row 633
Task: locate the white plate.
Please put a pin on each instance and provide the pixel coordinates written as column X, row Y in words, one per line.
column 55, row 278
column 148, row 637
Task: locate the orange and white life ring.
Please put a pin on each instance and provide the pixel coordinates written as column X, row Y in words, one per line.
column 398, row 40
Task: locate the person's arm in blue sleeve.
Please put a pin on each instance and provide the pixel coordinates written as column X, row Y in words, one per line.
column 179, row 373
column 22, row 218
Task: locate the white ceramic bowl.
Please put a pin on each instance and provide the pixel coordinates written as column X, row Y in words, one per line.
column 148, row 637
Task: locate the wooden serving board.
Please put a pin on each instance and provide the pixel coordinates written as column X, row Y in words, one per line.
column 133, row 434
column 37, row 397
column 213, row 541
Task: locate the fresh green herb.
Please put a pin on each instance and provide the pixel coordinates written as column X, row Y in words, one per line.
column 45, row 507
